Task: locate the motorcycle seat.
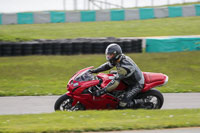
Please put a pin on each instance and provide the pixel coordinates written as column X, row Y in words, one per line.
column 153, row 77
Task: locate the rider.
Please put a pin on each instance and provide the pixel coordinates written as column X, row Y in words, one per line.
column 127, row 71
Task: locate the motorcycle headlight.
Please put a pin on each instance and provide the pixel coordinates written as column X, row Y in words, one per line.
column 75, row 84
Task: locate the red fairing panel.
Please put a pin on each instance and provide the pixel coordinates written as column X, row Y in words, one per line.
column 153, row 79
column 107, row 78
column 92, row 102
column 84, row 85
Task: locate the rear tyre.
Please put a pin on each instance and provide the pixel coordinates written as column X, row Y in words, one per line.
column 153, row 99
column 64, row 103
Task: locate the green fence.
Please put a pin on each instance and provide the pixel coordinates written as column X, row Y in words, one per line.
column 172, row 44
column 87, row 16
column 197, row 7
column 117, row 15
column 57, row 17
column 146, row 13
column 175, row 11
column 25, row 18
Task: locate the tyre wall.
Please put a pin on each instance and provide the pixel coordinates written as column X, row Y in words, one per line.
column 67, row 47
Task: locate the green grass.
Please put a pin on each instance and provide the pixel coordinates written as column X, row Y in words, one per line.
column 84, row 121
column 184, row 4
column 49, row 75
column 135, row 28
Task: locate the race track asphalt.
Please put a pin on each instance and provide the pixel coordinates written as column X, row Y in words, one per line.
column 45, row 104
column 173, row 130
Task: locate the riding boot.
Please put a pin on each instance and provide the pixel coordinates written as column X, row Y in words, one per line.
column 128, row 100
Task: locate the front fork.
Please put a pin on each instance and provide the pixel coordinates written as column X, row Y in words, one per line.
column 76, row 105
column 74, row 100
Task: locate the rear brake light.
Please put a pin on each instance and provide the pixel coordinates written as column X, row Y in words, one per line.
column 166, row 80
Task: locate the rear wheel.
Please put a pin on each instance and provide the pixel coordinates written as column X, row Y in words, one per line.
column 153, row 99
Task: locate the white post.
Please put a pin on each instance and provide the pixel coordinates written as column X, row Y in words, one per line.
column 122, row 3
column 136, row 3
column 88, row 4
column 64, row 5
column 168, row 2
column 92, row 5
column 152, row 3
column 106, row 4
column 75, row 4
column 101, row 5
column 84, row 6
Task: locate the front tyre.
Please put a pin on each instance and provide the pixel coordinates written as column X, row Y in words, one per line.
column 64, row 103
column 153, row 99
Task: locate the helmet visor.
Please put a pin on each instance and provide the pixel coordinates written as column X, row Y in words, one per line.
column 110, row 56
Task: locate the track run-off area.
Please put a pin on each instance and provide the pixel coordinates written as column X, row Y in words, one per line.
column 45, row 104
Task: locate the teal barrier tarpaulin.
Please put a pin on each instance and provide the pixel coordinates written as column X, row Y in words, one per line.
column 87, row 16
column 117, row 15
column 175, row 11
column 25, row 18
column 172, row 44
column 146, row 13
column 57, row 17
column 197, row 7
column 0, row 19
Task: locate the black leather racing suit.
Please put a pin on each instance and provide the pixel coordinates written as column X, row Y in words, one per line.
column 129, row 73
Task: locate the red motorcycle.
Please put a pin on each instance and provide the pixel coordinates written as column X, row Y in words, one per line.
column 83, row 84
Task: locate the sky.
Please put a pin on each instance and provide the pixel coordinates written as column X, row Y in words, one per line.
column 12, row 6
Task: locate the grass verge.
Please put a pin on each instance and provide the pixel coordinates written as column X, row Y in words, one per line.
column 84, row 121
column 49, row 75
column 135, row 28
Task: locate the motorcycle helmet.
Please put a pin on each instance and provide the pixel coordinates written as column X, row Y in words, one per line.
column 113, row 53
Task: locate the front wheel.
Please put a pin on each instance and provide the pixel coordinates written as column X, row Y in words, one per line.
column 63, row 103
column 153, row 99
